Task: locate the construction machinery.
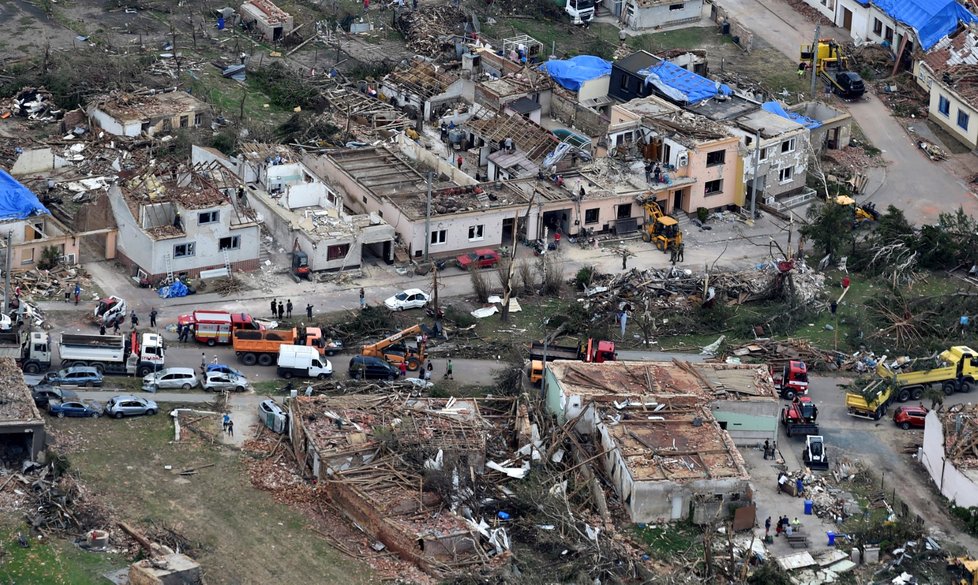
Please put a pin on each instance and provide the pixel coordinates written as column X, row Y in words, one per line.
column 814, row 454
column 861, row 214
column 955, row 371
column 792, row 380
column 799, row 417
column 830, row 64
column 109, row 311
column 964, row 570
column 300, row 263
column 395, row 351
column 659, row 228
column 872, row 401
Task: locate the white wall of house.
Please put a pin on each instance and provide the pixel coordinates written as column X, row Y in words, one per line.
column 953, row 113
column 859, row 20
column 637, row 16
column 113, row 126
column 593, row 89
column 955, row 485
column 780, row 172
column 825, row 7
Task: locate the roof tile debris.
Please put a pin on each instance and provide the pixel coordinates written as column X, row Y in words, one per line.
column 16, row 403
column 146, row 104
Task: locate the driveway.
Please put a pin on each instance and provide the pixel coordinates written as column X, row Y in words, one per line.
column 921, row 188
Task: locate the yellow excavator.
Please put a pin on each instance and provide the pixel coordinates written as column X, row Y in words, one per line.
column 394, row 350
column 861, row 214
column 964, row 570
column 659, row 228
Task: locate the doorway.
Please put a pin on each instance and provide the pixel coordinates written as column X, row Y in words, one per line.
column 677, row 201
column 847, row 19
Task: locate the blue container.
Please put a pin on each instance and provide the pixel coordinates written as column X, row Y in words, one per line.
column 800, row 485
column 831, row 536
column 503, row 515
column 809, row 504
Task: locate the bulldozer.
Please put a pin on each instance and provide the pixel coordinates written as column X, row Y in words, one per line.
column 814, row 454
column 861, row 214
column 659, row 228
column 831, row 65
column 964, row 570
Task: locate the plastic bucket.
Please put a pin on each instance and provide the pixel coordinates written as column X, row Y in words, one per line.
column 809, row 504
column 831, row 536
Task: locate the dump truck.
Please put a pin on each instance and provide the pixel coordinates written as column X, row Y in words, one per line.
column 880, row 393
column 826, row 57
column 33, row 349
column 659, row 228
column 394, row 350
column 130, row 354
column 262, row 347
column 214, row 327
column 956, row 369
column 799, row 417
column 588, row 350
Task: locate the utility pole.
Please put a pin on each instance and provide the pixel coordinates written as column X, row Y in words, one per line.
column 757, row 170
column 427, row 219
column 7, row 260
column 818, row 31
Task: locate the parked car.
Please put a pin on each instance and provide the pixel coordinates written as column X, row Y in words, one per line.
column 482, row 258
column 129, row 405
column 44, row 395
column 75, row 408
column 272, row 416
column 910, row 416
column 412, row 298
column 371, row 368
column 218, row 382
column 224, row 369
column 185, row 378
column 84, row 376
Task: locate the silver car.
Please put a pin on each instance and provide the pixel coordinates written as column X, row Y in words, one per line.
column 219, row 382
column 129, row 405
column 185, row 378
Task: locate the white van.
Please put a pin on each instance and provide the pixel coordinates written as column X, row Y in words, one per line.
column 302, row 361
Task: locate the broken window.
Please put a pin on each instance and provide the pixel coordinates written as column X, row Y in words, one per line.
column 439, row 237
column 624, row 211
column 784, row 175
column 337, row 252
column 184, row 121
column 713, row 187
column 184, row 250
column 205, row 217
column 198, row 119
column 717, row 157
column 591, row 216
column 476, row 232
column 229, row 243
column 788, row 145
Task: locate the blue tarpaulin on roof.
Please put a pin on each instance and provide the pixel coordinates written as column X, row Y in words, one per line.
column 682, row 85
column 16, row 200
column 571, row 73
column 931, row 19
column 777, row 109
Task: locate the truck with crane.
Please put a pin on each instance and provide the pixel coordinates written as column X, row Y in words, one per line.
column 792, row 380
column 659, row 228
column 131, row 354
column 826, row 58
column 214, row 327
column 587, row 350
column 253, row 346
column 394, row 350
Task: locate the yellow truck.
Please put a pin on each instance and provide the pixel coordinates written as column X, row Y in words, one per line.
column 880, row 392
column 955, row 371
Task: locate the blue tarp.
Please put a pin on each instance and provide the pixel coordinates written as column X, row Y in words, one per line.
column 571, row 73
column 681, row 85
column 177, row 289
column 16, row 200
column 931, row 19
column 777, row 109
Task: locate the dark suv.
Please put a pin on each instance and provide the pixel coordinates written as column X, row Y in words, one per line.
column 363, row 367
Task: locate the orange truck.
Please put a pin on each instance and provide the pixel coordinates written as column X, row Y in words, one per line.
column 261, row 346
column 213, row 327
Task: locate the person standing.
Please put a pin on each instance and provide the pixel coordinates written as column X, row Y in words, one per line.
column 116, row 325
column 203, row 363
column 230, row 428
column 624, row 259
column 309, row 311
column 152, row 318
column 779, row 526
column 135, row 319
column 225, row 421
column 459, row 160
column 363, row 299
column 288, row 309
column 448, row 370
column 403, row 368
column 274, row 309
column 767, row 527
column 767, row 447
column 77, row 293
column 281, row 310
column 427, row 375
column 101, row 329
column 557, row 239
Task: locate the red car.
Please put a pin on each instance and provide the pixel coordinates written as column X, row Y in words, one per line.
column 482, row 258
column 909, row 416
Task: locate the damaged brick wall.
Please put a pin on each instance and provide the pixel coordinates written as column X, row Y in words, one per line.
column 571, row 113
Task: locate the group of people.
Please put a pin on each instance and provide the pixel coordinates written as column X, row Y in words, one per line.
column 653, row 172
column 282, row 311
column 228, row 424
column 133, row 318
column 783, row 525
column 426, row 372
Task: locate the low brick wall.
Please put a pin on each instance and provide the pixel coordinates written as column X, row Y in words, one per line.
column 737, row 29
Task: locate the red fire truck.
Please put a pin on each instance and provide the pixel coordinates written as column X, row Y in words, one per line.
column 213, row 327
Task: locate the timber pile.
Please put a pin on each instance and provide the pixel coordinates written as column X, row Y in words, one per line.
column 225, row 286
column 960, row 423
column 57, row 505
column 51, row 285
column 778, row 353
column 429, row 29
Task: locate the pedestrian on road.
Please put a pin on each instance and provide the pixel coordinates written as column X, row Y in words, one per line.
column 680, row 253
column 403, row 368
column 116, row 325
column 135, row 320
column 288, row 309
column 101, row 329
column 767, row 527
column 624, row 259
column 203, row 362
column 281, row 310
column 427, row 375
column 77, row 293
column 274, row 309
column 363, row 299
column 430, row 368
column 767, row 447
column 309, row 311
column 230, row 428
column 225, row 421
column 448, row 370
column 779, row 527
column 152, row 318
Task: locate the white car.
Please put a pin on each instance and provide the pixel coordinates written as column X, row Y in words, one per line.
column 220, row 381
column 412, row 298
column 185, row 378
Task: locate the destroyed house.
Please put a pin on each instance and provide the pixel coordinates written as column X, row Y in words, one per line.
column 301, row 210
column 947, row 73
column 422, row 86
column 31, row 226
column 272, row 22
column 148, row 112
column 516, row 96
column 465, row 215
column 21, row 426
column 184, row 220
column 360, row 450
column 669, row 430
column 641, row 14
column 782, row 162
column 950, row 452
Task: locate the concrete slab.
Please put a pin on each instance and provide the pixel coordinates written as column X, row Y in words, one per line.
column 795, row 561
column 831, row 557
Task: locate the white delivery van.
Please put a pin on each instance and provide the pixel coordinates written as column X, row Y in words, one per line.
column 302, row 361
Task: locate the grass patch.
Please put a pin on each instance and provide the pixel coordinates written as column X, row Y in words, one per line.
column 695, row 37
column 667, row 541
column 51, row 562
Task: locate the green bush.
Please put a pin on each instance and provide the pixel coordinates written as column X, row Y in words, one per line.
column 702, row 213
column 585, row 276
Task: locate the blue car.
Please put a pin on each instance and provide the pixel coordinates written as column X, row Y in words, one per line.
column 83, row 376
column 224, row 369
column 73, row 408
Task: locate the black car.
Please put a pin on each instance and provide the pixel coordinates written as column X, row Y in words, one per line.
column 44, row 395
column 371, row 368
column 849, row 85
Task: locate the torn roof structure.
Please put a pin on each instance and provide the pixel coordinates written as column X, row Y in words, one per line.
column 421, row 78
column 126, row 107
column 531, row 138
column 930, row 19
column 953, row 61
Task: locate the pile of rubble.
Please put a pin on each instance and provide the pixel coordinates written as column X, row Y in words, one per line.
column 53, row 504
column 35, row 104
column 430, row 29
column 903, row 96
column 52, row 284
column 777, row 353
